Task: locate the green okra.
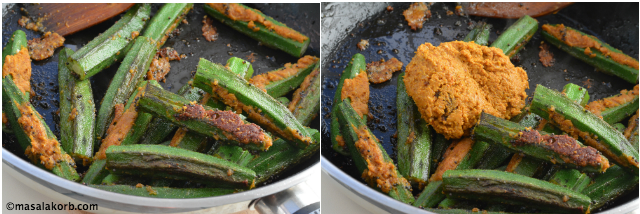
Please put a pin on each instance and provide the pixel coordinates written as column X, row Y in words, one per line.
column 110, row 46
column 430, row 196
column 234, row 154
column 165, row 192
column 258, row 31
column 261, row 108
column 242, row 67
column 284, row 100
column 221, row 125
column 595, row 132
column 280, row 157
column 516, row 36
column 559, row 149
column 438, row 147
column 96, row 172
column 619, row 127
column 632, row 131
column 77, row 111
column 490, row 185
column 290, row 77
column 17, row 105
column 306, row 100
column 131, row 71
column 17, row 41
column 356, row 65
column 571, row 179
column 414, row 139
column 610, row 185
column 356, row 134
column 627, row 104
column 178, row 164
column 596, row 58
column 577, row 93
column 165, row 21
column 479, row 34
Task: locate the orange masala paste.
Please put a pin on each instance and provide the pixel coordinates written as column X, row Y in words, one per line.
column 19, row 67
column 625, row 96
column 416, row 15
column 43, row 149
column 357, row 90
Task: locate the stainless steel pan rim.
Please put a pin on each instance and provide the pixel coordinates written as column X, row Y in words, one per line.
column 391, row 205
column 134, row 203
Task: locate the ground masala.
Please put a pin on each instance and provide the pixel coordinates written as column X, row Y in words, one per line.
column 453, row 83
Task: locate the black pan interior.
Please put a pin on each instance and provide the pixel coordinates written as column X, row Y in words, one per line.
column 389, row 36
column 304, row 18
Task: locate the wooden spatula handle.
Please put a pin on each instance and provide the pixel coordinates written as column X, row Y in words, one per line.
column 66, row 19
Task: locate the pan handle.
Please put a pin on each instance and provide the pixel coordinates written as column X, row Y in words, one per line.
column 299, row 199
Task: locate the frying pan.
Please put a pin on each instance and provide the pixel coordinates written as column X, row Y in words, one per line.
column 302, row 17
column 345, row 24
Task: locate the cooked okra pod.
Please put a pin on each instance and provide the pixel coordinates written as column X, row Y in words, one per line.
column 577, row 122
column 165, row 192
column 33, row 134
column 235, row 92
column 258, row 26
column 179, row 164
column 479, row 34
column 165, row 21
column 16, row 44
column 280, row 82
column 355, row 67
column 414, row 139
column 110, row 46
column 610, row 185
column 504, row 187
column 616, row 108
column 370, row 157
column 592, row 51
column 305, row 104
column 516, row 36
column 77, row 111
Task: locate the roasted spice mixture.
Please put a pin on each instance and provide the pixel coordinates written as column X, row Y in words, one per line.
column 357, row 90
column 209, row 32
column 43, row 48
column 416, row 15
column 43, row 149
column 289, row 70
column 454, row 82
column 19, row 67
column 382, row 71
column 598, row 106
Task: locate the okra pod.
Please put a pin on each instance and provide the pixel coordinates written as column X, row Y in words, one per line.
column 237, row 93
column 430, row 196
column 241, row 67
column 280, row 82
column 557, row 149
column 284, row 100
column 616, row 108
column 631, row 133
column 258, row 26
column 179, row 164
column 576, row 93
column 592, row 51
column 414, row 139
column 280, row 157
column 438, row 148
column 17, row 41
column 370, row 157
column 479, row 34
column 305, row 104
column 234, row 154
column 610, row 185
column 165, row 192
column 571, row 179
column 77, row 112
column 516, row 36
column 221, row 125
column 577, row 122
column 355, row 67
column 131, row 71
column 165, row 21
column 33, row 134
column 504, row 187
column 96, row 172
column 110, row 46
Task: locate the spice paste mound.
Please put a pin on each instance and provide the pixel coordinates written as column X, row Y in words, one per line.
column 416, row 15
column 453, row 83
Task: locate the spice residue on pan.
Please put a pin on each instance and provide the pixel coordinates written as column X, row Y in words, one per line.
column 357, row 89
column 546, row 57
column 19, row 67
column 454, row 82
column 363, row 44
column 230, row 123
column 237, row 12
column 209, row 32
column 567, row 147
column 381, row 71
column 42, row 48
column 160, row 65
column 289, row 70
column 574, row 38
column 598, row 106
column 416, row 15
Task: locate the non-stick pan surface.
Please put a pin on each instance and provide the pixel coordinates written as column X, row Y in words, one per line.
column 304, row 18
column 389, row 36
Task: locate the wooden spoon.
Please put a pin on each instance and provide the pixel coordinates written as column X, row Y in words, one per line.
column 66, row 19
column 512, row 10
